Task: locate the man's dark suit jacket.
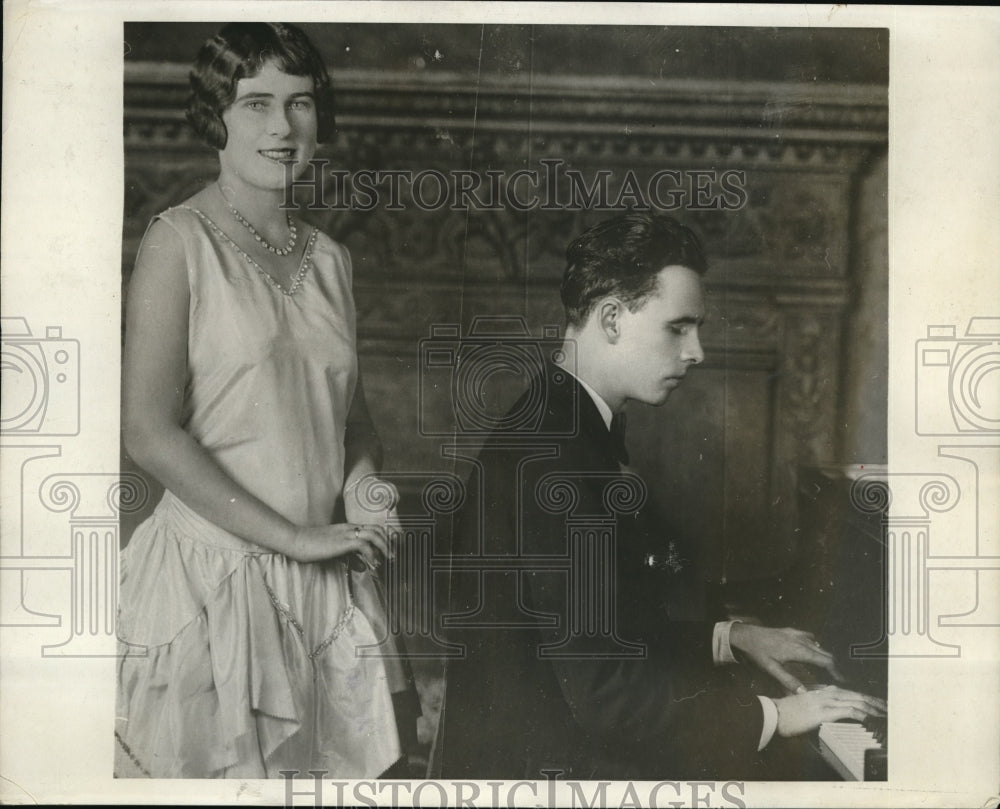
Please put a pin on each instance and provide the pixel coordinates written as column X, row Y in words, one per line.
column 511, row 712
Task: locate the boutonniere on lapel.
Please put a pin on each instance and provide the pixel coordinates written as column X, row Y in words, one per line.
column 671, row 560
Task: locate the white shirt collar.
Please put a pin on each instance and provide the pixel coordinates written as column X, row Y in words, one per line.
column 602, row 406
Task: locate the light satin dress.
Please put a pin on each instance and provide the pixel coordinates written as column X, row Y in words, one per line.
column 236, row 661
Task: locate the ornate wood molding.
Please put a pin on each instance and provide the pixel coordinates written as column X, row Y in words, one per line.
column 631, row 120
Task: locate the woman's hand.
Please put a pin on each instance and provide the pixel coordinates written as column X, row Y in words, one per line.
column 801, row 713
column 317, row 543
column 372, row 500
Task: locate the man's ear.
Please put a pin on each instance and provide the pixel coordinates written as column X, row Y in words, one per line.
column 609, row 318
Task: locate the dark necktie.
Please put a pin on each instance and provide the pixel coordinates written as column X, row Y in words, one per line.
column 618, row 438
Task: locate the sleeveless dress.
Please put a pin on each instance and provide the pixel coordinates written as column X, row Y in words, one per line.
column 236, row 661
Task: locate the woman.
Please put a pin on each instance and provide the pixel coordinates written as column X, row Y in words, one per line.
column 238, row 624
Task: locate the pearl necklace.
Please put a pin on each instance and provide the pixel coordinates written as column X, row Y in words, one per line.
column 293, row 236
column 296, row 281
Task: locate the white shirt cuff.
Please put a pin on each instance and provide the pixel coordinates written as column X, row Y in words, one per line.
column 770, row 721
column 722, row 652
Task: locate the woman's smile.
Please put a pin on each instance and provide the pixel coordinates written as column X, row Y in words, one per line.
column 278, row 155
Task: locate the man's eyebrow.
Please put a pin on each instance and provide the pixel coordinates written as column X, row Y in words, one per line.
column 687, row 319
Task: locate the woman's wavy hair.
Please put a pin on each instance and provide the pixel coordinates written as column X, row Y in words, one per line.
column 239, row 51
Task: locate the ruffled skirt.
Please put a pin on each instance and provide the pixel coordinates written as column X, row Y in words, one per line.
column 236, row 662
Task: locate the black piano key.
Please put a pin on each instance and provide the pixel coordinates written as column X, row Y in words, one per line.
column 877, row 726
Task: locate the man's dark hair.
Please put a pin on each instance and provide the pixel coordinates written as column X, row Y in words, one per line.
column 622, row 257
column 239, row 51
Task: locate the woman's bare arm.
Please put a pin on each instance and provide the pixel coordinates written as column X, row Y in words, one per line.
column 362, row 447
column 366, row 499
column 155, row 374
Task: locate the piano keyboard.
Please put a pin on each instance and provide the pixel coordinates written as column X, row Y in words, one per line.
column 857, row 752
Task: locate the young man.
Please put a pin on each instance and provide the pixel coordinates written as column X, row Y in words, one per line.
column 581, row 671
